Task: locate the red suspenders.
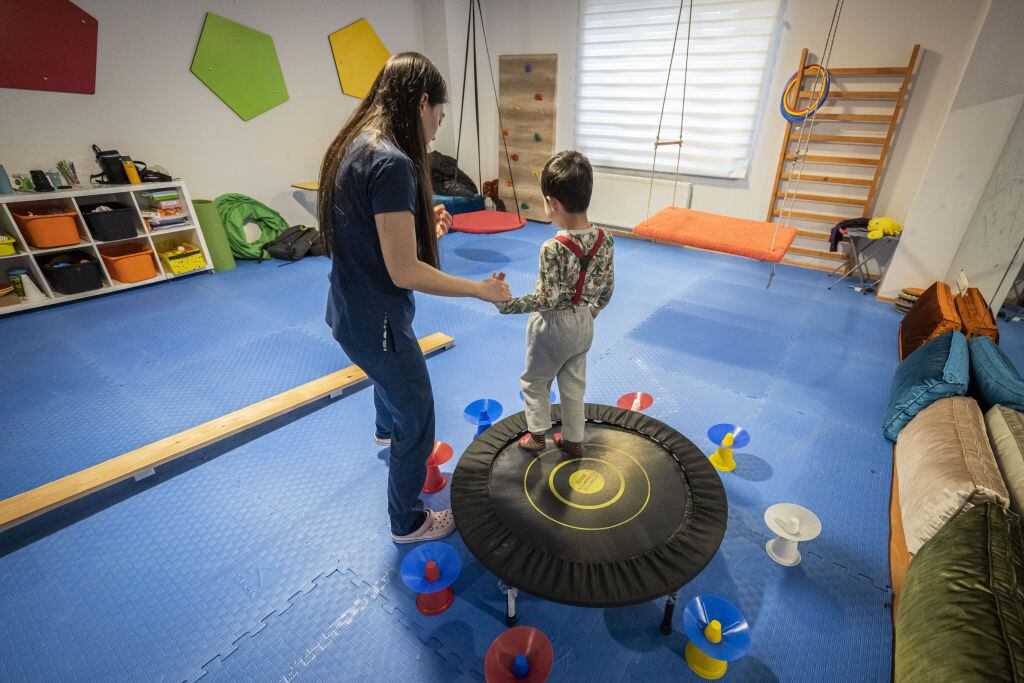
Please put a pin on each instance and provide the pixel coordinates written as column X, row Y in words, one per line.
column 571, row 245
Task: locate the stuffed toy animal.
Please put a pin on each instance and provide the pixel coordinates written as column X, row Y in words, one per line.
column 883, row 226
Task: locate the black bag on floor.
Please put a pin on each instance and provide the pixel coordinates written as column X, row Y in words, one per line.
column 448, row 179
column 294, row 243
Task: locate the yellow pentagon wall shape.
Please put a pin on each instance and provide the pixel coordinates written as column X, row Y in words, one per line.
column 359, row 56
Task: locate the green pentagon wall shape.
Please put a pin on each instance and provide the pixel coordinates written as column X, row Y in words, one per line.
column 240, row 66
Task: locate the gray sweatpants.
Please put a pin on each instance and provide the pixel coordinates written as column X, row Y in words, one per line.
column 556, row 347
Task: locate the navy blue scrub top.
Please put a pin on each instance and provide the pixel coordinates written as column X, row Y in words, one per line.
column 365, row 309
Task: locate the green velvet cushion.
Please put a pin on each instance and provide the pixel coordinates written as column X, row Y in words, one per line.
column 961, row 609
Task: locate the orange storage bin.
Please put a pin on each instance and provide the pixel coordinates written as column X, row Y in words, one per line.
column 129, row 262
column 48, row 229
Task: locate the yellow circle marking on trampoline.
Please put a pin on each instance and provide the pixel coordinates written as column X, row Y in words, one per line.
column 647, row 500
column 551, row 484
column 586, row 481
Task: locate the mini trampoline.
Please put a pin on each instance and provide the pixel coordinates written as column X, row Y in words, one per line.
column 636, row 518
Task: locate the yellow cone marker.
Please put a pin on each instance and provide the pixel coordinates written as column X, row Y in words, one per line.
column 722, row 458
column 704, row 665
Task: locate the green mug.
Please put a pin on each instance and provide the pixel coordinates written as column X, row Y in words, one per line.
column 22, row 182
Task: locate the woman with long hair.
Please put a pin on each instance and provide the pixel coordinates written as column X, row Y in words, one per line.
column 378, row 227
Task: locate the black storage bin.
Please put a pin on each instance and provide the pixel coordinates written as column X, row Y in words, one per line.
column 117, row 224
column 76, row 276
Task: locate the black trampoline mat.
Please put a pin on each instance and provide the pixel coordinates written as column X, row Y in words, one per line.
column 625, row 496
column 636, row 518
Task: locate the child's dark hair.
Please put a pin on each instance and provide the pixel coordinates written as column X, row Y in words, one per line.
column 568, row 177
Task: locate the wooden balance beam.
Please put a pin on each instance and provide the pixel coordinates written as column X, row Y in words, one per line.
column 141, row 461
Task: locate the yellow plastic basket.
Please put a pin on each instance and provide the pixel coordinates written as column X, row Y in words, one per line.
column 6, row 244
column 182, row 258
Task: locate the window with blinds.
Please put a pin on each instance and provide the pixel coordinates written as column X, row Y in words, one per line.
column 623, row 61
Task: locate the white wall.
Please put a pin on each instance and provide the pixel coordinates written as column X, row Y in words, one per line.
column 988, row 253
column 966, row 152
column 871, row 33
column 150, row 106
column 989, row 96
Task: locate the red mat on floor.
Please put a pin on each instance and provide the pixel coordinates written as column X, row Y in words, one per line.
column 714, row 232
column 486, row 222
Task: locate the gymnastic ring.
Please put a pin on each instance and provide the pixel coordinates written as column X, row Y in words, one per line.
column 794, row 115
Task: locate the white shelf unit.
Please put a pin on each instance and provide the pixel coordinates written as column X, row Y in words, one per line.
column 28, row 256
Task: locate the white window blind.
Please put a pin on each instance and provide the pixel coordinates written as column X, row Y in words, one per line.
column 623, row 59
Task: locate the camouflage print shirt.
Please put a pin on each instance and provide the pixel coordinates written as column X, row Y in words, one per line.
column 559, row 271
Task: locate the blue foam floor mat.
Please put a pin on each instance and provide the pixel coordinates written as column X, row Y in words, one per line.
column 269, row 557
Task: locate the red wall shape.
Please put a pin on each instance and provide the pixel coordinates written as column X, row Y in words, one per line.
column 47, row 45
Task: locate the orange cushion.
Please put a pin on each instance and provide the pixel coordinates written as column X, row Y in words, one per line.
column 714, row 232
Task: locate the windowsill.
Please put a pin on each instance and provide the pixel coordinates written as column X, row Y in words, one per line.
column 661, row 175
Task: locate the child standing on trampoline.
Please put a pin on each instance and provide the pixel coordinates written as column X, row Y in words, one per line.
column 575, row 281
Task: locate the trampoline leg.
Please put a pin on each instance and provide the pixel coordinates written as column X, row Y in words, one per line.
column 670, row 608
column 510, row 603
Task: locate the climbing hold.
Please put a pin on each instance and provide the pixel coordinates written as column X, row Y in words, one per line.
column 509, row 183
column 516, row 107
column 515, row 157
column 527, row 68
column 536, row 137
column 524, row 206
column 504, row 131
column 538, row 96
column 535, row 174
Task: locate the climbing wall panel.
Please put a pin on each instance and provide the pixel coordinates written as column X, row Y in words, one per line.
column 526, row 98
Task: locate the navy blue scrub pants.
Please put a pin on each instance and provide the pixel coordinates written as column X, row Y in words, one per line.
column 405, row 412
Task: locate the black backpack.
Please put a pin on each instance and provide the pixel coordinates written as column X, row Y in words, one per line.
column 447, row 178
column 294, row 243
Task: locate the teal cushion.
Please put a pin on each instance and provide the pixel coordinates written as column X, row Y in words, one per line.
column 994, row 380
column 454, row 204
column 936, row 370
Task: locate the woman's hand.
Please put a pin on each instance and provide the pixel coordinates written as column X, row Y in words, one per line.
column 442, row 220
column 494, row 289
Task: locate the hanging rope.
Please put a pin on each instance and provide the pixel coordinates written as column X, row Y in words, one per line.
column 475, row 10
column 803, row 138
column 501, row 126
column 803, row 142
column 807, row 128
column 462, row 104
column 664, row 99
column 476, row 102
column 682, row 108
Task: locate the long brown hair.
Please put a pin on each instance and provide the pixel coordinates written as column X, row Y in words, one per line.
column 391, row 111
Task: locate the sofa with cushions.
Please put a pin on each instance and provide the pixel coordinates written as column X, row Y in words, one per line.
column 956, row 417
column 961, row 615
